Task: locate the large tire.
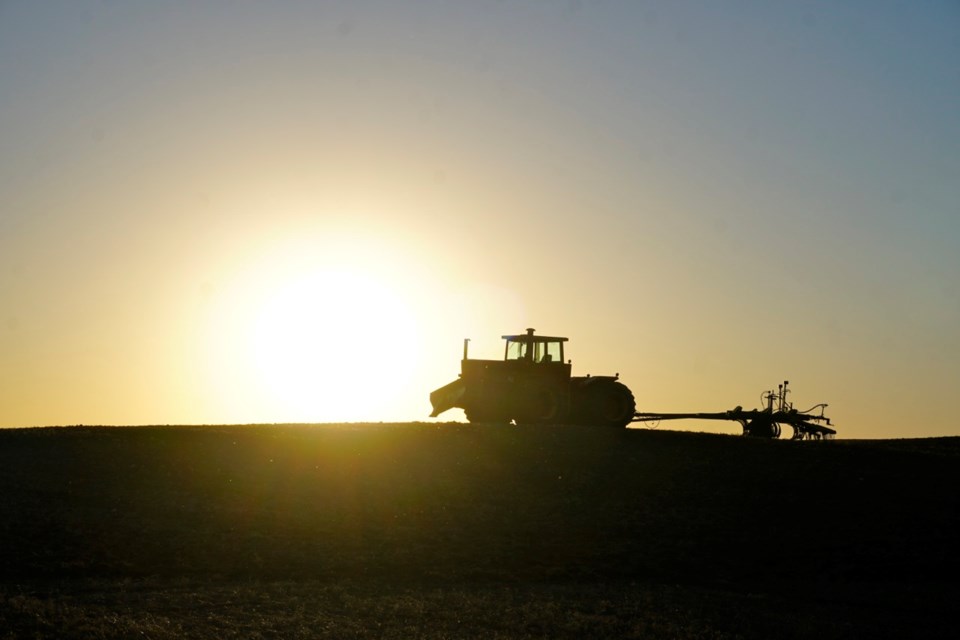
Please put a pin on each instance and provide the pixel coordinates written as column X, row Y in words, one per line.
column 542, row 405
column 606, row 403
column 480, row 414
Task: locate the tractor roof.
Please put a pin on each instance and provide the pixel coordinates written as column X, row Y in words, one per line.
column 529, row 337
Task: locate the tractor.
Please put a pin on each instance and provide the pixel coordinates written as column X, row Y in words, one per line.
column 533, row 385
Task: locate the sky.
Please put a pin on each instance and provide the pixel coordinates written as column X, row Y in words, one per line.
column 249, row 212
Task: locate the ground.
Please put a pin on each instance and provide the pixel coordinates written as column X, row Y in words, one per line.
column 458, row 531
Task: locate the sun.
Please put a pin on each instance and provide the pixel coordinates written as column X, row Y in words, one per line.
column 333, row 345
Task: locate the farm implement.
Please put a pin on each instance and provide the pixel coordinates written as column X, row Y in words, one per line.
column 763, row 423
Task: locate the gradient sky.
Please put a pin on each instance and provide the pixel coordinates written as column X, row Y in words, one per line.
column 222, row 212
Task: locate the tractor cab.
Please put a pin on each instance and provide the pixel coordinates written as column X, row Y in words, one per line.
column 534, row 349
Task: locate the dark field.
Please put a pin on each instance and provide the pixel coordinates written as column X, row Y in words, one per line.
column 404, row 531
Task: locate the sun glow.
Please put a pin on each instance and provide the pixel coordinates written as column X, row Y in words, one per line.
column 333, row 345
column 313, row 327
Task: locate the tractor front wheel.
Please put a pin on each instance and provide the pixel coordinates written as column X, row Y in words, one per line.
column 477, row 414
column 542, row 405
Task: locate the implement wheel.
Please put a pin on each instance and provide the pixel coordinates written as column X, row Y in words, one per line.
column 762, row 427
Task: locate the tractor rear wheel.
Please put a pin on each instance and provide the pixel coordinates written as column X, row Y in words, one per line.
column 606, row 403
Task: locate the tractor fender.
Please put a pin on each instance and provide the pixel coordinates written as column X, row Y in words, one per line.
column 585, row 382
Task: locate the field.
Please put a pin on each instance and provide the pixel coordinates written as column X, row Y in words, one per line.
column 458, row 531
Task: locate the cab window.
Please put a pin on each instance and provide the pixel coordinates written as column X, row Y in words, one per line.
column 548, row 352
column 516, row 350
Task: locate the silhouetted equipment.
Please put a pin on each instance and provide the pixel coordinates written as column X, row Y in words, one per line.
column 764, row 423
column 533, row 384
